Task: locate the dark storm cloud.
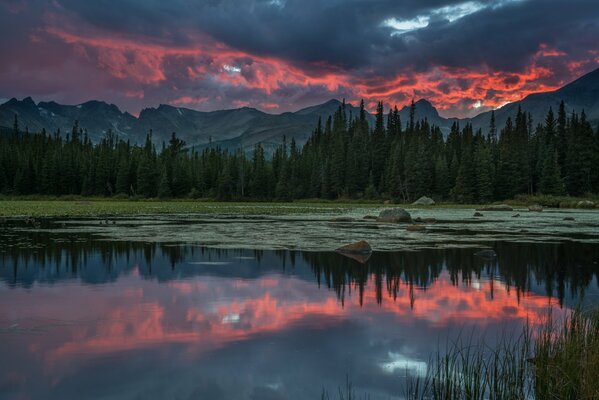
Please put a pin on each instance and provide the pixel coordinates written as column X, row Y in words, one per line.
column 164, row 51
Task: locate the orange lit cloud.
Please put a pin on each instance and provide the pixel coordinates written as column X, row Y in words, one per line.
column 448, row 88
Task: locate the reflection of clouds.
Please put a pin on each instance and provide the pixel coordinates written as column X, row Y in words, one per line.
column 265, row 329
column 208, row 314
column 403, row 364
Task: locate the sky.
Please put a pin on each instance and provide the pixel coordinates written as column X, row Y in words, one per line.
column 281, row 55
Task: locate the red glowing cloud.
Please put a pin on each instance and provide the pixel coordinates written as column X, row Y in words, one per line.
column 201, row 67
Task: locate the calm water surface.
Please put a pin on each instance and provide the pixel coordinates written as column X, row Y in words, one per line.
column 82, row 317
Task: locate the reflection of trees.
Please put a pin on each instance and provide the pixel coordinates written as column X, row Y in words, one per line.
column 522, row 266
column 559, row 269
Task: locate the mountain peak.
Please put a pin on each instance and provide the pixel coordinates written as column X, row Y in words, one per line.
column 424, row 109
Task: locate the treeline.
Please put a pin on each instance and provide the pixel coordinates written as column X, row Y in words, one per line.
column 344, row 158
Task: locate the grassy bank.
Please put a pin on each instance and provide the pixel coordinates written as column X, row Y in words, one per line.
column 104, row 207
column 35, row 206
column 74, row 207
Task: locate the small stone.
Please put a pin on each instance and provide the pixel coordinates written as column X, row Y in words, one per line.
column 342, row 219
column 569, row 218
column 515, row 215
column 370, row 217
column 477, row 214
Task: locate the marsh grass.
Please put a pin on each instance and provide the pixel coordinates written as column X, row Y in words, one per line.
column 558, row 360
column 475, row 370
column 566, row 359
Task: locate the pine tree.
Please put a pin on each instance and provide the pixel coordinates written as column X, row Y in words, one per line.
column 551, row 181
column 164, row 188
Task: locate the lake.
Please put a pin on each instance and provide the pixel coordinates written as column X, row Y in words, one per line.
column 174, row 307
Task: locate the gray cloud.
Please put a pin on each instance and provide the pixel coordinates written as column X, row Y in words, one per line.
column 353, row 40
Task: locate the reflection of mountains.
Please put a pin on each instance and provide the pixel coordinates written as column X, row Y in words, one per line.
column 565, row 270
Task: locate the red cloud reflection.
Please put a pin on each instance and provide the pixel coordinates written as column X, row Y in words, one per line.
column 207, row 315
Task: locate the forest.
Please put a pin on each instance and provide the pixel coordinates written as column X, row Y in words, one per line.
column 345, row 158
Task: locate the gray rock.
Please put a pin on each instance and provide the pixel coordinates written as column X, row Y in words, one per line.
column 515, row 215
column 477, row 214
column 569, row 219
column 585, row 204
column 394, row 215
column 535, row 208
column 496, row 207
column 424, row 201
column 489, row 254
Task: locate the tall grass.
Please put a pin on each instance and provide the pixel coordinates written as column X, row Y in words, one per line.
column 559, row 360
column 475, row 370
column 566, row 362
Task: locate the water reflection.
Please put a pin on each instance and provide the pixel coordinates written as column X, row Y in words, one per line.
column 82, row 317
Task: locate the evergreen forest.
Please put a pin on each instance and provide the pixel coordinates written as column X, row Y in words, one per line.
column 345, row 157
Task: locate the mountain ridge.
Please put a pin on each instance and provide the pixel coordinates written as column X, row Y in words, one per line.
column 247, row 126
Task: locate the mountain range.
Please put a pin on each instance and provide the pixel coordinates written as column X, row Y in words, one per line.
column 247, row 126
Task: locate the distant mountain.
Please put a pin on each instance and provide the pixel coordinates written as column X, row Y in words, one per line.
column 247, row 126
column 582, row 94
column 226, row 128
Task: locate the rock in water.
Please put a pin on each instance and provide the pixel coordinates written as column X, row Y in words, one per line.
column 535, row 208
column 489, row 254
column 515, row 215
column 569, row 219
column 370, row 217
column 362, row 247
column 414, row 228
column 477, row 214
column 496, row 207
column 359, row 251
column 585, row 204
column 342, row 219
column 394, row 215
column 424, row 201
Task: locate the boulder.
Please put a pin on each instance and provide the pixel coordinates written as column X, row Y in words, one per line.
column 496, row 207
column 359, row 251
column 394, row 215
column 361, row 247
column 477, row 214
column 535, row 208
column 414, row 228
column 585, row 204
column 370, row 217
column 424, row 201
column 488, row 254
column 568, row 218
column 515, row 215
